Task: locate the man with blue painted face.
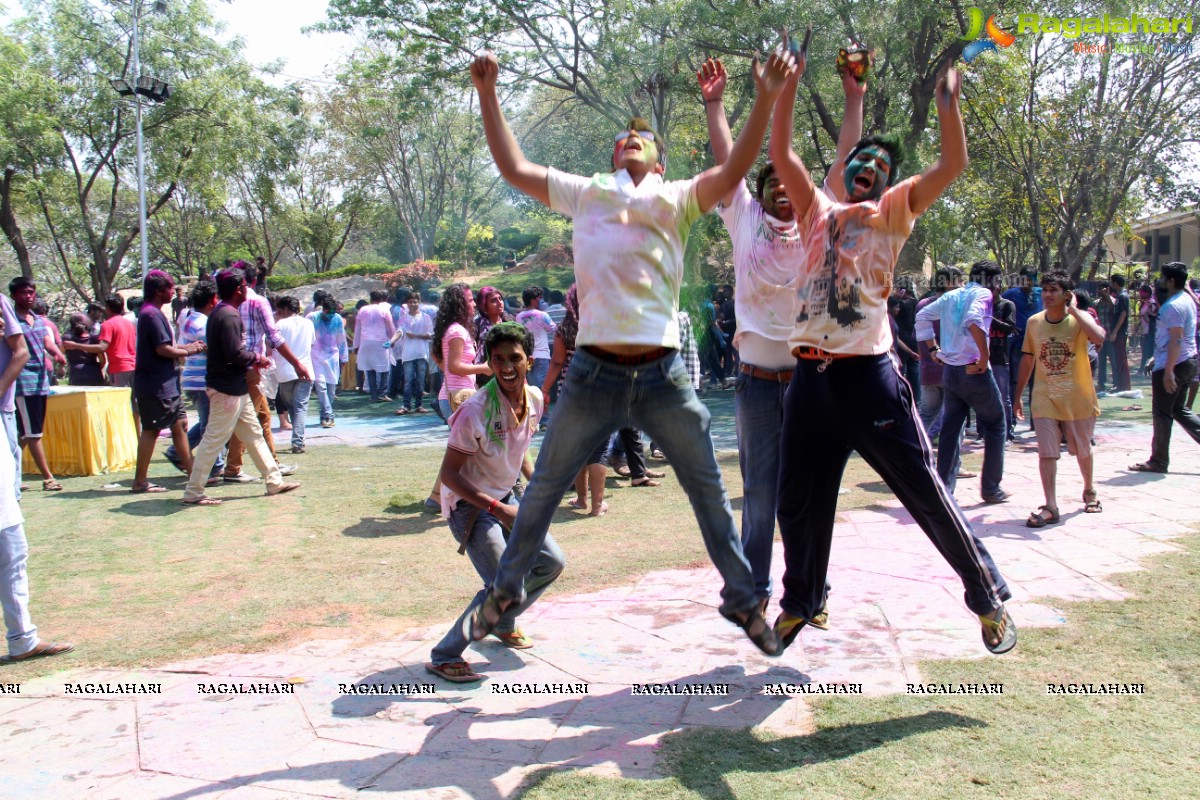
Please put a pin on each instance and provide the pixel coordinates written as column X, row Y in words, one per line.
column 847, row 393
column 631, row 230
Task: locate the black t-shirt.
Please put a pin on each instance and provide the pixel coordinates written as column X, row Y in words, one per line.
column 1004, row 322
column 154, row 375
column 906, row 321
column 228, row 358
column 1122, row 308
column 83, row 369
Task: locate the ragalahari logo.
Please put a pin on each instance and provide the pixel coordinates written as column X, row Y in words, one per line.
column 984, row 36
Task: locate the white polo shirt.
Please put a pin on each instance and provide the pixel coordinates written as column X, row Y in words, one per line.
column 629, row 243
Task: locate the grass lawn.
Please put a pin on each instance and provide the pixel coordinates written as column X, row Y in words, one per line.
column 1022, row 745
column 142, row 580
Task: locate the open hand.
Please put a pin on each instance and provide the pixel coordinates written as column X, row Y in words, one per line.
column 770, row 78
column 949, row 86
column 484, row 71
column 712, row 80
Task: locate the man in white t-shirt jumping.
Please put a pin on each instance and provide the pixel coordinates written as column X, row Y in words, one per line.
column 847, row 393
column 630, row 233
column 768, row 254
column 487, row 452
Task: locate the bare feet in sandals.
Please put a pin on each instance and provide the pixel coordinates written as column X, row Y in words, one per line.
column 601, row 511
column 456, row 672
column 1091, row 503
column 579, row 503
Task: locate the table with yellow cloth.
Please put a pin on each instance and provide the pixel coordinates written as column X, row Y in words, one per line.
column 349, row 381
column 88, row 431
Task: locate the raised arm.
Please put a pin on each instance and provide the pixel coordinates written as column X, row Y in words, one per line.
column 851, row 132
column 792, row 172
column 769, row 79
column 953, row 158
column 520, row 173
column 712, row 88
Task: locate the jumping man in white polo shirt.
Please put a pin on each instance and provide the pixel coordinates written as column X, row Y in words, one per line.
column 631, row 229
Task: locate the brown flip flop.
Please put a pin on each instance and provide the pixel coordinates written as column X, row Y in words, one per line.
column 42, row 650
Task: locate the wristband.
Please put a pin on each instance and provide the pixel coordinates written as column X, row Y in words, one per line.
column 492, row 506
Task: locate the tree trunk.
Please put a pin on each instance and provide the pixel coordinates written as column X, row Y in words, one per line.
column 8, row 222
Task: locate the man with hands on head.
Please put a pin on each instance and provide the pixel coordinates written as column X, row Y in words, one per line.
column 847, row 393
column 1064, row 400
column 631, row 231
column 768, row 256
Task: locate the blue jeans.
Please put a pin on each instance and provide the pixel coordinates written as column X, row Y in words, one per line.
column 14, row 444
column 758, row 413
column 484, row 548
column 931, row 409
column 1005, row 387
column 536, row 377
column 325, row 393
column 14, row 590
column 978, row 392
column 396, row 380
column 414, row 382
column 196, row 433
column 293, row 395
column 377, row 384
column 598, row 398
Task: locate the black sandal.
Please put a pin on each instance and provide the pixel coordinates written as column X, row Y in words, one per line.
column 479, row 621
column 998, row 624
column 761, row 634
column 787, row 628
column 1093, row 505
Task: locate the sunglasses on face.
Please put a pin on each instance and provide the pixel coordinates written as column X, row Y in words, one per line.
column 623, row 135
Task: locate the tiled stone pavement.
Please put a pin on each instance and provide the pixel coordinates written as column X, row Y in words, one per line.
column 895, row 602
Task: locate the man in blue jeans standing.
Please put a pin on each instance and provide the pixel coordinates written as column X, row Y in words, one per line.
column 631, row 231
column 966, row 316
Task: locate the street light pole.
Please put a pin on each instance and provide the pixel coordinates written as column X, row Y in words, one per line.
column 141, row 156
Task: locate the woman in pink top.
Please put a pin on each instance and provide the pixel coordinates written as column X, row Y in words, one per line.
column 454, row 344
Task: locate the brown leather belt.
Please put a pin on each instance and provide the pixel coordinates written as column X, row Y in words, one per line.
column 817, row 354
column 628, row 360
column 783, row 376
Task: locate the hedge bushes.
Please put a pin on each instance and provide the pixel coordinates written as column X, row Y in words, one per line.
column 282, row 283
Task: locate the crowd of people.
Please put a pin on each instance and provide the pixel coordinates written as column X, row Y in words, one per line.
column 830, row 354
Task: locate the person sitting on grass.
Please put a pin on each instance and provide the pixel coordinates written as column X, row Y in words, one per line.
column 488, row 449
column 630, row 235
column 1055, row 352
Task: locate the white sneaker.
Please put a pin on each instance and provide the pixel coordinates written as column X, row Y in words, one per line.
column 287, row 469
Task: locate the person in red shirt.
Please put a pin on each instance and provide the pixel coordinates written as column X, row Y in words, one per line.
column 118, row 344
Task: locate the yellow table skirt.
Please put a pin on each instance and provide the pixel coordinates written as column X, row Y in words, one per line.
column 350, row 373
column 88, row 431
